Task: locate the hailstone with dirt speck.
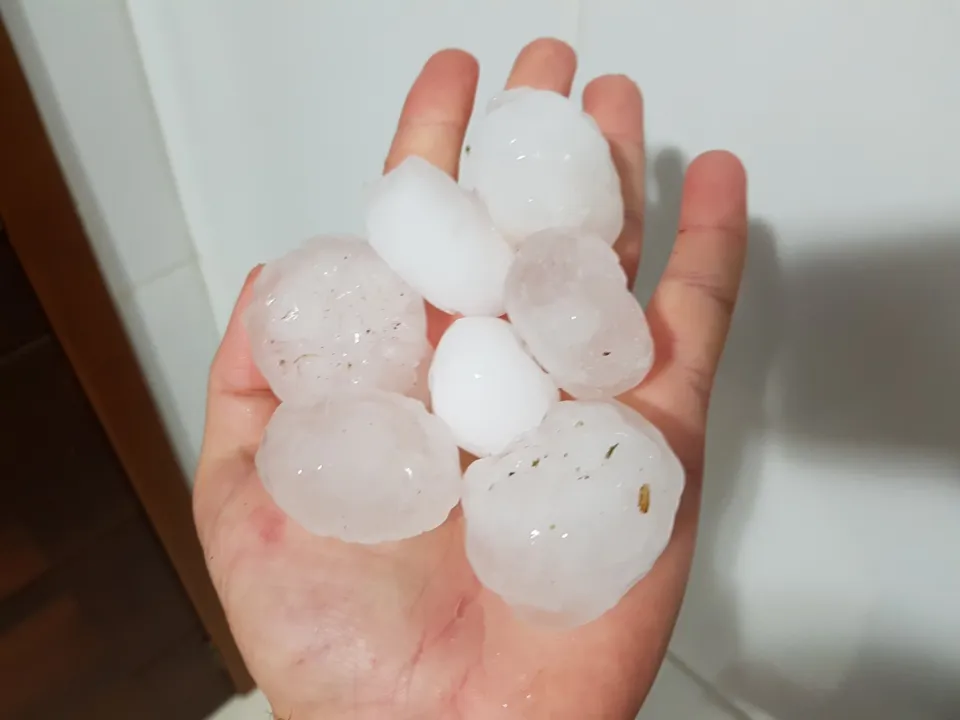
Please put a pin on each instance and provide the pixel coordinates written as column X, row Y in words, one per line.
column 439, row 238
column 539, row 162
column 364, row 467
column 567, row 297
column 331, row 315
column 485, row 386
column 570, row 516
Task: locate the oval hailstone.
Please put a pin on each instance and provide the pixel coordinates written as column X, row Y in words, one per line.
column 567, row 519
column 439, row 238
column 332, row 315
column 539, row 162
column 485, row 386
column 364, row 467
column 567, row 297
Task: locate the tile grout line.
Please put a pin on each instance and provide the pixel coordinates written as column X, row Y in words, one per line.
column 162, row 273
column 709, row 689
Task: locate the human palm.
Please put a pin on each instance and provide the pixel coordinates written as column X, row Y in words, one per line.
column 404, row 630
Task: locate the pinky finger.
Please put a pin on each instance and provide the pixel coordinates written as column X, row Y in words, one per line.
column 691, row 309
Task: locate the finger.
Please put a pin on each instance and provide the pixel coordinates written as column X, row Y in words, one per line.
column 615, row 103
column 692, row 306
column 239, row 400
column 544, row 64
column 436, row 112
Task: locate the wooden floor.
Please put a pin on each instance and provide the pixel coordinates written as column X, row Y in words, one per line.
column 93, row 620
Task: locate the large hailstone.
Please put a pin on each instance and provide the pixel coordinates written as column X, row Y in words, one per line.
column 364, row 467
column 539, row 162
column 567, row 297
column 332, row 315
column 439, row 238
column 485, row 386
column 567, row 519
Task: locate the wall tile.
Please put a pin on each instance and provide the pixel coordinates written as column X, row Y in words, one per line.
column 172, row 328
column 249, row 707
column 676, row 695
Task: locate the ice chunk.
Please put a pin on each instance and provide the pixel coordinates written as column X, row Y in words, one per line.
column 439, row 238
column 567, row 297
column 365, row 467
column 485, row 386
column 539, row 162
column 331, row 316
column 567, row 519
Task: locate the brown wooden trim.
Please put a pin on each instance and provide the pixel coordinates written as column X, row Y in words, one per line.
column 50, row 242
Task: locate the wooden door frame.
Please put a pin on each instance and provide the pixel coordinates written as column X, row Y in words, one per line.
column 48, row 237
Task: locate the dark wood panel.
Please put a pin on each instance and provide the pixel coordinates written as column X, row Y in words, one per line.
column 21, row 560
column 22, row 320
column 182, row 683
column 54, row 639
column 89, row 627
column 59, row 476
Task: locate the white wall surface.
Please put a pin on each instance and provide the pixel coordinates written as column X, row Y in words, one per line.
column 827, row 583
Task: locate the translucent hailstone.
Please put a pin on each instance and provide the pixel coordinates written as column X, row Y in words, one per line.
column 332, row 315
column 567, row 297
column 439, row 238
column 539, row 162
column 567, row 519
column 485, row 386
column 364, row 467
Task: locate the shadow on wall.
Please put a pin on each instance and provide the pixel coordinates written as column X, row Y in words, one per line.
column 860, row 345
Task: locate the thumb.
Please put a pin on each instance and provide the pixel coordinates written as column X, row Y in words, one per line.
column 239, row 400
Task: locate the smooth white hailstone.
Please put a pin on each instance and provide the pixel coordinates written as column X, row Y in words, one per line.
column 567, row 519
column 364, row 467
column 539, row 162
column 439, row 238
column 567, row 297
column 331, row 316
column 485, row 386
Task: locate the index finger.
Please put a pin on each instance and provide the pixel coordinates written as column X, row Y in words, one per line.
column 435, row 115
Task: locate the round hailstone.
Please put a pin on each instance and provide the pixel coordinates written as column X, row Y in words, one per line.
column 567, row 519
column 332, row 315
column 439, row 238
column 485, row 386
column 539, row 162
column 567, row 297
column 364, row 467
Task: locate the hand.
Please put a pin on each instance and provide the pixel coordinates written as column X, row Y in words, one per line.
column 404, row 630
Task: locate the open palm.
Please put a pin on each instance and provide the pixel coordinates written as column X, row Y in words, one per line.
column 404, row 630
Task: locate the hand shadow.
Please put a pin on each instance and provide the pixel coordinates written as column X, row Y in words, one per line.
column 853, row 347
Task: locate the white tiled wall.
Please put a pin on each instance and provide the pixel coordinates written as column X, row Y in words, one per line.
column 176, row 341
column 826, row 584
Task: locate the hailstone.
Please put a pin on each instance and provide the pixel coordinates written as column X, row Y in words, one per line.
column 485, row 386
column 364, row 467
column 332, row 315
column 439, row 238
column 564, row 521
column 539, row 162
column 567, row 297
